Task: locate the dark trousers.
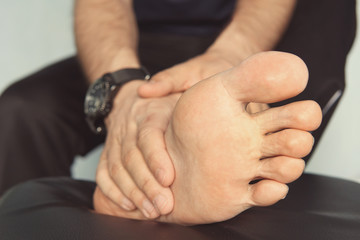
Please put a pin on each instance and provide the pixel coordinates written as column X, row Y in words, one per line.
column 316, row 208
column 41, row 117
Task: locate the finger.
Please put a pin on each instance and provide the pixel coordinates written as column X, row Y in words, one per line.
column 111, row 191
column 282, row 76
column 120, row 176
column 160, row 197
column 155, row 89
column 289, row 142
column 104, row 205
column 281, row 169
column 151, row 143
column 166, row 82
column 304, row 115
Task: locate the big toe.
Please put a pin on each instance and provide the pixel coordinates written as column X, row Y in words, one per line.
column 266, row 78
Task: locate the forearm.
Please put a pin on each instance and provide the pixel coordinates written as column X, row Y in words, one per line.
column 106, row 36
column 257, row 25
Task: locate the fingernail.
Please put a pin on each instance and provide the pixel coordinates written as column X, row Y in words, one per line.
column 127, row 204
column 148, row 208
column 159, row 203
column 151, row 82
column 160, row 176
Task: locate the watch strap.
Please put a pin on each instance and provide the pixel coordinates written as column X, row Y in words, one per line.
column 123, row 76
column 114, row 81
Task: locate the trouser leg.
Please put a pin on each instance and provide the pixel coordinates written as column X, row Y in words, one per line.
column 42, row 124
column 322, row 32
column 60, row 208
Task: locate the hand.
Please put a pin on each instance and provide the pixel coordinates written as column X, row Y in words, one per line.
column 182, row 76
column 135, row 169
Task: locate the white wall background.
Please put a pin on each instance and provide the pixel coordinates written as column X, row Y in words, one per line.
column 34, row 33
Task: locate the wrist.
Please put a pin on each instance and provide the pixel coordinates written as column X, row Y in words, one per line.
column 124, row 99
column 124, row 58
column 235, row 49
column 100, row 97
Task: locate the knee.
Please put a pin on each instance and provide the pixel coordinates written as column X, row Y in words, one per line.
column 18, row 196
column 40, row 192
column 20, row 103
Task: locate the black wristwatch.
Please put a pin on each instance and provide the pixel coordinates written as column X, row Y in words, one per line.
column 100, row 95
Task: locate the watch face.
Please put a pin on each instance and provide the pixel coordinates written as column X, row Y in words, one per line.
column 99, row 97
column 96, row 101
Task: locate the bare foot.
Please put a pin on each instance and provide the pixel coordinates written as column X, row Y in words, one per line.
column 218, row 148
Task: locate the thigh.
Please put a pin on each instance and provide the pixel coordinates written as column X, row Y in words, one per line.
column 59, row 90
column 43, row 125
column 61, row 208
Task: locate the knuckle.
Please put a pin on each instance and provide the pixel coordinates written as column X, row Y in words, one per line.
column 146, row 185
column 133, row 194
column 188, row 84
column 128, row 157
column 114, row 169
column 99, row 176
column 151, row 106
column 110, row 191
column 152, row 159
column 162, row 76
column 144, row 132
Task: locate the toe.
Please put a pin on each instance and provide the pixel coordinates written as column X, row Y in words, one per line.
column 282, row 169
column 266, row 78
column 304, row 115
column 289, row 142
column 267, row 192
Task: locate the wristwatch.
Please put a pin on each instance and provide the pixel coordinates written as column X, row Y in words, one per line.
column 100, row 95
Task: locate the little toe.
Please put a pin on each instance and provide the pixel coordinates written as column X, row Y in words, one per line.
column 281, row 169
column 266, row 78
column 303, row 115
column 267, row 192
column 289, row 142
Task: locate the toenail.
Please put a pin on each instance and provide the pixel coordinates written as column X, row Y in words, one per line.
column 159, row 203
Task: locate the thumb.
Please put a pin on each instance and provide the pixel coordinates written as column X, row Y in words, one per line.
column 162, row 84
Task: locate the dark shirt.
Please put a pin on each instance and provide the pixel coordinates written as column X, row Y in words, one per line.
column 189, row 17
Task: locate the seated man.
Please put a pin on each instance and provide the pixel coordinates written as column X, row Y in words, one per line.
column 51, row 101
column 218, row 148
